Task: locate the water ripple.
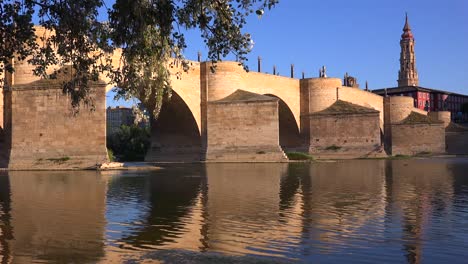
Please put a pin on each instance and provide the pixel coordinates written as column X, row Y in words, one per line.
column 409, row 211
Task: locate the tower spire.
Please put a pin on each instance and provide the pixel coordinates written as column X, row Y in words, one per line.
column 408, row 75
column 407, row 34
column 407, row 27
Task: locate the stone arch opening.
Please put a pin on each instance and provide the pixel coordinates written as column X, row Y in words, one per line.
column 289, row 134
column 174, row 135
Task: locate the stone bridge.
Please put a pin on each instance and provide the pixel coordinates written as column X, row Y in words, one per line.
column 225, row 115
column 181, row 131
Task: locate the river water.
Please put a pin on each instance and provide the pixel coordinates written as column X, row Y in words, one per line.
column 360, row 211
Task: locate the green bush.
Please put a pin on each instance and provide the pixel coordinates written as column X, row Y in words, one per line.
column 299, row 156
column 110, row 155
column 129, row 143
column 333, row 147
column 423, row 153
column 59, row 160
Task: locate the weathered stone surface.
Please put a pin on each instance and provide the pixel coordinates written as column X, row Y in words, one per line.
column 243, row 127
column 456, row 137
column 175, row 135
column 41, row 129
column 415, row 138
column 409, row 131
column 345, row 129
column 444, row 116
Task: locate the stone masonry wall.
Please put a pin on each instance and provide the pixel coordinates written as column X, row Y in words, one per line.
column 2, row 102
column 41, row 127
column 187, row 87
column 2, row 83
column 444, row 116
column 357, row 134
column 411, row 139
column 243, row 132
column 396, row 109
column 320, row 93
column 457, row 142
column 229, row 77
column 363, row 98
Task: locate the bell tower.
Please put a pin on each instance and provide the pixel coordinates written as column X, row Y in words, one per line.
column 408, row 75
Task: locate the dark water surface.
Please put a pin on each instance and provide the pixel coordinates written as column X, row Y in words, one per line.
column 362, row 211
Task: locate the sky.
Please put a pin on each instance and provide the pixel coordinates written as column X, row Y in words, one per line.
column 361, row 37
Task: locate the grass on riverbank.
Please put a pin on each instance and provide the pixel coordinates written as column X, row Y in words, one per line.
column 400, row 156
column 422, row 154
column 299, row 156
column 60, row 160
column 333, row 148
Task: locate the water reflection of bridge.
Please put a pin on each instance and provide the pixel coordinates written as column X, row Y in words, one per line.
column 326, row 209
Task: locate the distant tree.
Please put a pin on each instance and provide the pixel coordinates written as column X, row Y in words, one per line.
column 129, row 143
column 149, row 32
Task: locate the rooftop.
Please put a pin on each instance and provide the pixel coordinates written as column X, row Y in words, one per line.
column 343, row 107
column 417, row 118
column 414, row 88
column 244, row 96
column 454, row 127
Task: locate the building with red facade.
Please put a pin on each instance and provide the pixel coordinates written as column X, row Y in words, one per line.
column 427, row 99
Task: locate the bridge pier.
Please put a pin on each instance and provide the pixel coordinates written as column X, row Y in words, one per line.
column 244, row 127
column 42, row 131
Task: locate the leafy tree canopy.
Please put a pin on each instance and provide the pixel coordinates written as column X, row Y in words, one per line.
column 149, row 33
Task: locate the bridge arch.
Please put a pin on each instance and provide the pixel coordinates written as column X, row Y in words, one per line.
column 175, row 135
column 289, row 133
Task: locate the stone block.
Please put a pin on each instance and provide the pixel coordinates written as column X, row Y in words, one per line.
column 244, row 127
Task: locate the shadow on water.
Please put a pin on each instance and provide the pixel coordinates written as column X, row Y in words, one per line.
column 169, row 197
column 364, row 211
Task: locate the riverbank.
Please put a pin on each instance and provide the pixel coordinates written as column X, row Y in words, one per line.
column 153, row 165
column 142, row 165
